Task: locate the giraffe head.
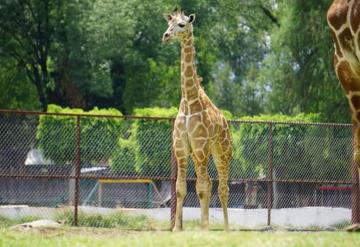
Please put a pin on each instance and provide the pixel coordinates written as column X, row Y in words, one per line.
column 179, row 25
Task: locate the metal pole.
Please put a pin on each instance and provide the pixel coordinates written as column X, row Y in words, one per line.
column 269, row 192
column 77, row 169
column 100, row 192
column 355, row 192
column 173, row 185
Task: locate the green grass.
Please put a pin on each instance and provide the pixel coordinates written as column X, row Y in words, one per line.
column 5, row 222
column 73, row 237
column 99, row 230
column 116, row 220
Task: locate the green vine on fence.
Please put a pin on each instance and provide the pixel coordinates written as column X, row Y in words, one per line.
column 142, row 147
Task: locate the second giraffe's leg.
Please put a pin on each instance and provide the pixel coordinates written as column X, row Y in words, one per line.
column 203, row 190
column 180, row 192
column 223, row 189
column 356, row 157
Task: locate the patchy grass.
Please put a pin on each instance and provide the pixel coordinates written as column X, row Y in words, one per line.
column 341, row 225
column 71, row 236
column 5, row 222
column 100, row 230
column 117, row 220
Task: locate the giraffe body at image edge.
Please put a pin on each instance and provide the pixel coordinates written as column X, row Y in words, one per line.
column 343, row 18
column 200, row 129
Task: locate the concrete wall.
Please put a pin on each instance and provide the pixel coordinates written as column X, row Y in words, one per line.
column 248, row 218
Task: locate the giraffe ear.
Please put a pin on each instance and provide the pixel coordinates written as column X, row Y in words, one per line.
column 168, row 17
column 191, row 18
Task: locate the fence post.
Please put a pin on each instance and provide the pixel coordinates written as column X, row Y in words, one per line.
column 77, row 169
column 269, row 192
column 355, row 192
column 173, row 184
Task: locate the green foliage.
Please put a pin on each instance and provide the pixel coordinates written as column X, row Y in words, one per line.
column 265, row 56
column 255, row 140
column 298, row 69
column 126, row 159
column 156, row 112
column 146, row 148
column 143, row 147
column 56, row 135
column 298, row 151
column 16, row 90
column 227, row 114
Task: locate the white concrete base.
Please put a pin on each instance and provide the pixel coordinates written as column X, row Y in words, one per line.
column 248, row 218
column 252, row 218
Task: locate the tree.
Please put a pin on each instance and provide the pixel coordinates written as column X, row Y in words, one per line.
column 26, row 33
column 16, row 90
column 298, row 71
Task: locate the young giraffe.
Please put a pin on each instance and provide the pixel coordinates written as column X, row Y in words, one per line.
column 343, row 19
column 200, row 129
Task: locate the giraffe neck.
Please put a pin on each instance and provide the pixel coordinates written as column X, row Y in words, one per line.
column 190, row 83
column 344, row 20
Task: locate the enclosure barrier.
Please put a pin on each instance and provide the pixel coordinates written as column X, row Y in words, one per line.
column 102, row 164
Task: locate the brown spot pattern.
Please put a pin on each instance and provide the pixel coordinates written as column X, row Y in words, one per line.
column 188, row 49
column 188, row 58
column 355, row 16
column 189, row 71
column 192, row 93
column 200, row 132
column 347, row 77
column 193, row 121
column 189, row 83
column 195, row 107
column 337, row 15
column 355, row 101
column 345, row 39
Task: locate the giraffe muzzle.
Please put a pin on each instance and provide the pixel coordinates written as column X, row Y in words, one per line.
column 166, row 38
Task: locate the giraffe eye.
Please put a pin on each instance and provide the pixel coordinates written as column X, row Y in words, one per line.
column 181, row 25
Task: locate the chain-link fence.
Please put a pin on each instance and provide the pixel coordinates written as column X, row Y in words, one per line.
column 119, row 171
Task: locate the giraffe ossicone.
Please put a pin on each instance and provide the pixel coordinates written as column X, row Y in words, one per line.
column 200, row 129
column 343, row 18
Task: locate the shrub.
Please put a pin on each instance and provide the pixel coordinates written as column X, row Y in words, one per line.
column 147, row 145
column 298, row 151
column 56, row 135
column 115, row 220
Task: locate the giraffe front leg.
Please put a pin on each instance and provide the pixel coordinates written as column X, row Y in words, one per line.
column 203, row 190
column 180, row 192
column 356, row 158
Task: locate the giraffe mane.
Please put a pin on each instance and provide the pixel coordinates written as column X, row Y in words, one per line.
column 177, row 11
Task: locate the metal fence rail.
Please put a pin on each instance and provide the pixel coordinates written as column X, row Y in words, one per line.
column 96, row 162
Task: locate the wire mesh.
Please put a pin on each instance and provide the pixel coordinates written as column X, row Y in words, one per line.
column 120, row 168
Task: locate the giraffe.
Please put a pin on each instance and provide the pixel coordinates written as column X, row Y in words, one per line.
column 200, row 129
column 343, row 18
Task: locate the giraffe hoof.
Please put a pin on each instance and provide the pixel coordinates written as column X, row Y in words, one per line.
column 353, row 228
